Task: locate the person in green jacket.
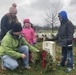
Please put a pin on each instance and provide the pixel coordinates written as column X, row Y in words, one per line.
column 15, row 46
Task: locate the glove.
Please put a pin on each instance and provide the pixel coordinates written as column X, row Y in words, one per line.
column 69, row 42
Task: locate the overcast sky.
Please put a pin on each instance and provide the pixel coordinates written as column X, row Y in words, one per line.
column 34, row 9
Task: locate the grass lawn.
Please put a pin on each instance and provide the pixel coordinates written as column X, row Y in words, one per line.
column 38, row 70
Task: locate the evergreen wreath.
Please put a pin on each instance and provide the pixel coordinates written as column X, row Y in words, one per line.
column 44, row 59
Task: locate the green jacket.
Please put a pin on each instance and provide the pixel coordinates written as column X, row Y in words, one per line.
column 9, row 46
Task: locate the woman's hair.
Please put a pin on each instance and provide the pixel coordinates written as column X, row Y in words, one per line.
column 13, row 19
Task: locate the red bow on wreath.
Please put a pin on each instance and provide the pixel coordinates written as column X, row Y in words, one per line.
column 43, row 62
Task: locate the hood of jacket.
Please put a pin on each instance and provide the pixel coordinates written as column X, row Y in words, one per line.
column 64, row 16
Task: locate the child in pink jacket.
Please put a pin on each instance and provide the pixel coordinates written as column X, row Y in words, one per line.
column 29, row 35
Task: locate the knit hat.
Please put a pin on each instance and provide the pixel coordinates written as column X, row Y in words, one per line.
column 26, row 21
column 13, row 8
column 17, row 27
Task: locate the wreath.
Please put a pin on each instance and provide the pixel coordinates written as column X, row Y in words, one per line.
column 45, row 60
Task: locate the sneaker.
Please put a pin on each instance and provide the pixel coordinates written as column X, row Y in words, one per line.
column 68, row 70
column 27, row 67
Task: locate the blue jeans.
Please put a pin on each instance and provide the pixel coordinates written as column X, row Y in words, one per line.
column 67, row 54
column 12, row 63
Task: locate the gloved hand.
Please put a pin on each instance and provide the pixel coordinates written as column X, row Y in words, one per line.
column 69, row 42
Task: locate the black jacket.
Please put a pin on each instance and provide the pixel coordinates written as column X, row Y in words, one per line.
column 65, row 34
column 5, row 25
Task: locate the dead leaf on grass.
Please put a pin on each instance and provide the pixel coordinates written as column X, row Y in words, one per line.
column 1, row 71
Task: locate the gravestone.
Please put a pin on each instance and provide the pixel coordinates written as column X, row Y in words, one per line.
column 50, row 47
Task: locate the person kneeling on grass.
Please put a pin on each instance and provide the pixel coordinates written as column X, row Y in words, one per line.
column 14, row 46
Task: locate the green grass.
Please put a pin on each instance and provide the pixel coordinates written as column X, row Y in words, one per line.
column 38, row 70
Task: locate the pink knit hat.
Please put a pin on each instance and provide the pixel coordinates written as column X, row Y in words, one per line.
column 13, row 8
column 26, row 21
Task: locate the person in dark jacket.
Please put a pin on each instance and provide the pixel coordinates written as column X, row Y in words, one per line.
column 65, row 39
column 8, row 20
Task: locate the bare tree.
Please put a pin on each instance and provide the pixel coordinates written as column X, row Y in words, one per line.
column 51, row 14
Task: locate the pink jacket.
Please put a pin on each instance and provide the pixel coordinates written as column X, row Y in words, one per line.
column 29, row 35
